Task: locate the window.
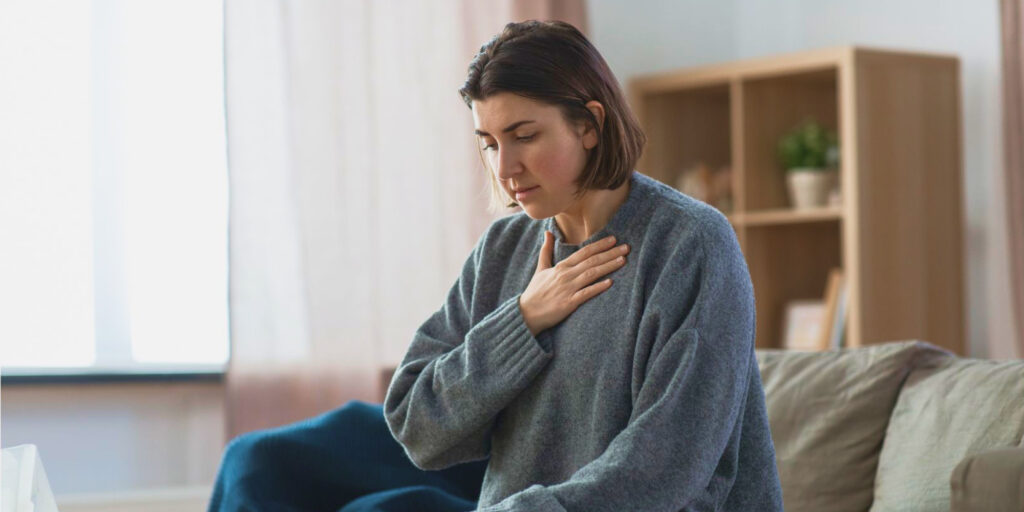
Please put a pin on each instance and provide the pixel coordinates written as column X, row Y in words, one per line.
column 113, row 187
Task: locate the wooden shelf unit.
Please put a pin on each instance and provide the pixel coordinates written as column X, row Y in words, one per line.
column 897, row 234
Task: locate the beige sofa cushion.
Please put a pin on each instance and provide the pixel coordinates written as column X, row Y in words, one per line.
column 828, row 413
column 945, row 413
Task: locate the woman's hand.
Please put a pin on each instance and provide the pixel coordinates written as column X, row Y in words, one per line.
column 556, row 291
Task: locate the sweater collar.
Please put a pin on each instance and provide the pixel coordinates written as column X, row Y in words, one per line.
column 623, row 218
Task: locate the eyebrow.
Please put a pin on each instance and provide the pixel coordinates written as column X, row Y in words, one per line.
column 508, row 128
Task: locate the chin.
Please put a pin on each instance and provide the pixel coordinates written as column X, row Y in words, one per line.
column 534, row 211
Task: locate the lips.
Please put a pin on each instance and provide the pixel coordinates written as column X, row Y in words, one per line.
column 523, row 193
column 524, row 189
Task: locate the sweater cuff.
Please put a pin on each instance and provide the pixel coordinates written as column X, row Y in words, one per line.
column 513, row 352
column 535, row 498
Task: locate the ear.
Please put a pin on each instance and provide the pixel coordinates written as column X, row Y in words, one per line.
column 590, row 135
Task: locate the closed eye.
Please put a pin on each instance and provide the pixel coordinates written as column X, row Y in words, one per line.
column 525, row 138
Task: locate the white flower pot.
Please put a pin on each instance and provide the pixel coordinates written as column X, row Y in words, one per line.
column 809, row 188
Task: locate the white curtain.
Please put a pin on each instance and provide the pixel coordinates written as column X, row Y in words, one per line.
column 356, row 189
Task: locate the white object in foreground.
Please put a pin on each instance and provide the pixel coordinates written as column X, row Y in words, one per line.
column 23, row 484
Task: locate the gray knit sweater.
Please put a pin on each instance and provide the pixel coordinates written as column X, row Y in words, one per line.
column 646, row 398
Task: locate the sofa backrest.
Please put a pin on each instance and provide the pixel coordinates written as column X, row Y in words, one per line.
column 829, row 412
column 944, row 413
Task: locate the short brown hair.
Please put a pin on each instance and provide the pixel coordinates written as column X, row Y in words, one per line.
column 552, row 62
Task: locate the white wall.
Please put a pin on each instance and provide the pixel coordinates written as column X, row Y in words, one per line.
column 113, row 437
column 657, row 35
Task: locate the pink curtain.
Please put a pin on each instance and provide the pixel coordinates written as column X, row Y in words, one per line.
column 1012, row 20
column 573, row 12
column 353, row 205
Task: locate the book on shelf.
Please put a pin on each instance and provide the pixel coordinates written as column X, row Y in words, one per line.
column 833, row 324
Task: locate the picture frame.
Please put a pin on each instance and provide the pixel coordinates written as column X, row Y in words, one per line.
column 803, row 324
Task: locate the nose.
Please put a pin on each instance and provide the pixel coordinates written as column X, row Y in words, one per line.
column 507, row 163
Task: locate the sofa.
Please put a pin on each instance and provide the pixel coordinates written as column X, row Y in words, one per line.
column 902, row 426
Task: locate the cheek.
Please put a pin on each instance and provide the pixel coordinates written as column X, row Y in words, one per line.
column 559, row 162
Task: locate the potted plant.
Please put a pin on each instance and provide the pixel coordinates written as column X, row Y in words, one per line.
column 810, row 155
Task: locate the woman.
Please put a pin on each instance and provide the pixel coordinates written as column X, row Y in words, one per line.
column 595, row 353
column 598, row 346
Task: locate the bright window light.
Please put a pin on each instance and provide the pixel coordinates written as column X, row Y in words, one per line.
column 113, row 186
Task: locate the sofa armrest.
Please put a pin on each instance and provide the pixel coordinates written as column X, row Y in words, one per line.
column 989, row 481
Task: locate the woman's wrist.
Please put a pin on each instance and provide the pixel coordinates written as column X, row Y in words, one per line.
column 531, row 324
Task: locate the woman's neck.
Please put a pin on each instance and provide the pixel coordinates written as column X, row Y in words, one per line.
column 591, row 213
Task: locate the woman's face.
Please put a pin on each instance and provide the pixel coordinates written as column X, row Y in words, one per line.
column 529, row 145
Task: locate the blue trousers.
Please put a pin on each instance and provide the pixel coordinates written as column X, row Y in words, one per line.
column 344, row 460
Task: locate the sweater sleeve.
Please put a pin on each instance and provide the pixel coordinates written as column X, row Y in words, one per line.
column 678, row 449
column 456, row 377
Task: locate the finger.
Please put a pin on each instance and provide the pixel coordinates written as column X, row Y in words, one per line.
column 589, row 292
column 590, row 250
column 600, row 258
column 593, row 273
column 546, row 252
column 607, row 255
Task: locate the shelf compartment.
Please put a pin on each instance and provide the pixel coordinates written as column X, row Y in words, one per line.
column 771, row 108
column 685, row 128
column 788, row 262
